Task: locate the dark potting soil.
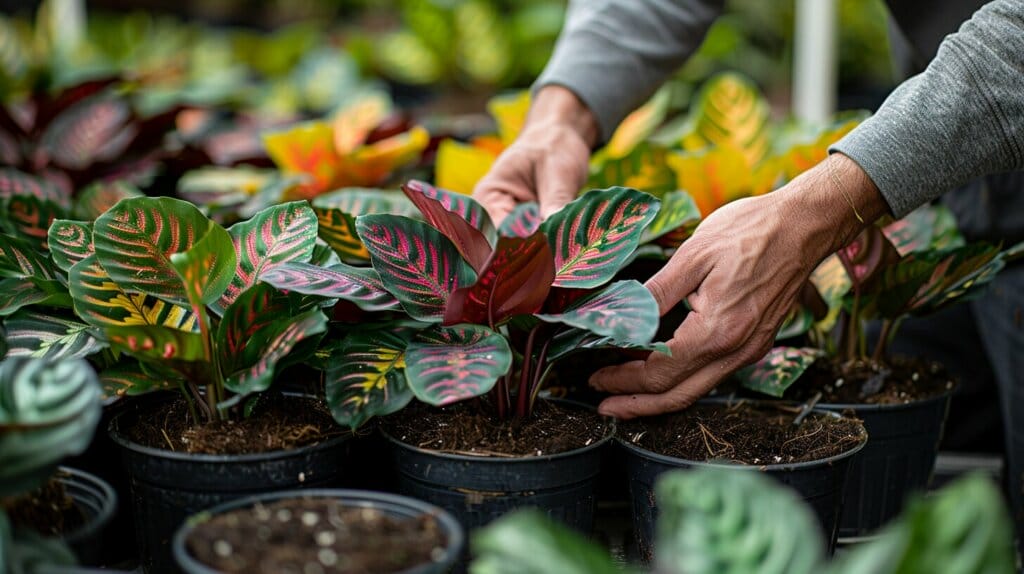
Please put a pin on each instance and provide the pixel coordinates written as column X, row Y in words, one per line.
column 743, row 433
column 47, row 510
column 315, row 535
column 277, row 422
column 469, row 428
column 897, row 381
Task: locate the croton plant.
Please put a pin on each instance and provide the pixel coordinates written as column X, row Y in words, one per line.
column 469, row 310
column 911, row 267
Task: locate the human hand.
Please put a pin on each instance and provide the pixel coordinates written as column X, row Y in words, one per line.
column 740, row 273
column 548, row 161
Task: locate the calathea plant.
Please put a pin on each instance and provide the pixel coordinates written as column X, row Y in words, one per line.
column 716, row 521
column 48, row 411
column 184, row 296
column 481, row 311
column 912, row 267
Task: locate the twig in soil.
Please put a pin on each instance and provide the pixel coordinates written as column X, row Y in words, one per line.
column 480, row 453
column 802, row 436
column 806, row 410
column 168, row 439
column 705, row 434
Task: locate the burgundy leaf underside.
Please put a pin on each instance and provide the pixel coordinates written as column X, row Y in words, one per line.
column 470, row 242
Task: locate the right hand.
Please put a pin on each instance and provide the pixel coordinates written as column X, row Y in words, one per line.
column 548, row 161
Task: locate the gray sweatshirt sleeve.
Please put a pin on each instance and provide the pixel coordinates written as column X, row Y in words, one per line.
column 613, row 54
column 961, row 118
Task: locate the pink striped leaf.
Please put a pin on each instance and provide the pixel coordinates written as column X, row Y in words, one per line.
column 77, row 137
column 127, row 378
column 522, row 222
column 253, row 311
column 778, row 370
column 362, row 286
column 457, row 217
column 574, row 340
column 18, row 258
column 273, row 343
column 515, row 281
column 97, row 198
column 29, row 218
column 18, row 292
column 274, row 236
column 417, row 264
column 366, row 377
column 14, row 183
column 69, row 242
column 625, row 311
column 594, row 236
column 141, row 244
column 449, row 364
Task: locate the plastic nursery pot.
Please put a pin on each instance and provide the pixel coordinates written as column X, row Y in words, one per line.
column 479, row 489
column 820, row 483
column 390, row 504
column 167, row 486
column 898, row 460
column 97, row 502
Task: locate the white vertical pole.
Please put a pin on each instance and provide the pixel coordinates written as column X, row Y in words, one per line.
column 815, row 60
column 67, row 24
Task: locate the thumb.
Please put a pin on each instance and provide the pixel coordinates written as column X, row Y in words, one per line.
column 680, row 277
column 555, row 188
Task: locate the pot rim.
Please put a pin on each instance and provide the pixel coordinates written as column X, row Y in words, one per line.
column 608, row 437
column 454, row 531
column 107, row 497
column 674, row 461
column 944, row 396
column 124, row 442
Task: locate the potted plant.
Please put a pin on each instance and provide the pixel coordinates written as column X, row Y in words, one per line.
column 182, row 298
column 910, row 267
column 716, row 521
column 475, row 312
column 323, row 530
column 49, row 411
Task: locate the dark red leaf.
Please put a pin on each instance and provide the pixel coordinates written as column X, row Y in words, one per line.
column 50, row 108
column 867, row 256
column 515, row 281
column 470, row 241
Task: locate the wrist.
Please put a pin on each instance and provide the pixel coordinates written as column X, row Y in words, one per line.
column 831, row 203
column 556, row 105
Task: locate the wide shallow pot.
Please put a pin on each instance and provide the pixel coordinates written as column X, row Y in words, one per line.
column 897, row 462
column 820, row 483
column 479, row 489
column 97, row 502
column 390, row 504
column 166, row 486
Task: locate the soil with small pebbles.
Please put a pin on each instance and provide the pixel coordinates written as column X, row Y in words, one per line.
column 315, row 536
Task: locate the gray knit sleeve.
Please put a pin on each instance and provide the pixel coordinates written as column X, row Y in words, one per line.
column 961, row 118
column 613, row 54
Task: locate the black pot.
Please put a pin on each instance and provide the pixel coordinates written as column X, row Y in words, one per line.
column 896, row 463
column 391, row 504
column 97, row 502
column 166, row 486
column 478, row 490
column 820, row 483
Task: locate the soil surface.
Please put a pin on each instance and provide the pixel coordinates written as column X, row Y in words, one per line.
column 898, row 381
column 315, row 535
column 743, row 433
column 277, row 422
column 47, row 510
column 467, row 428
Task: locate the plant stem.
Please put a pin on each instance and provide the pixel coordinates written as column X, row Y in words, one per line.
column 189, row 401
column 523, row 398
column 540, row 373
column 853, row 328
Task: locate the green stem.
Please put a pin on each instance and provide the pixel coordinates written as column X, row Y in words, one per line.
column 215, row 382
column 883, row 337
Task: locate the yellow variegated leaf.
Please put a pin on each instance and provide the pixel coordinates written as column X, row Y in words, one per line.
column 638, row 126
column 713, row 177
column 802, row 157
column 371, row 165
column 766, row 176
column 731, row 111
column 357, row 119
column 306, row 148
column 460, row 166
column 832, row 282
column 509, row 111
column 102, row 303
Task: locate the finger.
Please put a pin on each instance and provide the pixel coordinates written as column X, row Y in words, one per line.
column 625, row 407
column 678, row 278
column 556, row 186
column 692, row 346
column 498, row 205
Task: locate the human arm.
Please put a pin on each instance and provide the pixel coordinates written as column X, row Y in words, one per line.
column 610, row 57
column 740, row 272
